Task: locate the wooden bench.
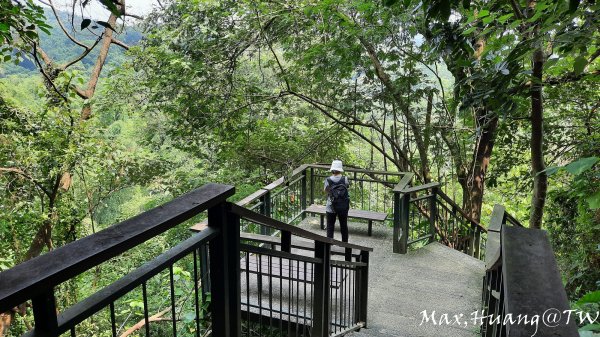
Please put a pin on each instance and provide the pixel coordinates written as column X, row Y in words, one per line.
column 352, row 213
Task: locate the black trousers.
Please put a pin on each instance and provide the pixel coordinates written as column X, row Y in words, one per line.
column 343, row 217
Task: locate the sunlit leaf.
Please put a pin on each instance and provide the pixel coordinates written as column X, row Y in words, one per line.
column 581, row 165
column 594, row 201
column 579, row 64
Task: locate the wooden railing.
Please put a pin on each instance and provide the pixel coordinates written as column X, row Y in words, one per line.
column 36, row 279
column 418, row 214
column 219, row 261
column 286, row 198
column 426, row 214
column 521, row 280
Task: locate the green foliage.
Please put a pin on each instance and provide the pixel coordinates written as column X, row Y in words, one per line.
column 241, row 92
column 19, row 22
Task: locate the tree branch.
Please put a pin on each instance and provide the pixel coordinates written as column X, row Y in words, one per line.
column 120, row 43
column 27, row 176
column 84, row 54
column 62, row 27
column 41, row 68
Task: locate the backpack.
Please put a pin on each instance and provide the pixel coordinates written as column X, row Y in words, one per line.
column 338, row 194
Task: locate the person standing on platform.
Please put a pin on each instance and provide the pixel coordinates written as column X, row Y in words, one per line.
column 338, row 200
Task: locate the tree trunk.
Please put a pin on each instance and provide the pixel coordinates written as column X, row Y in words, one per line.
column 540, row 179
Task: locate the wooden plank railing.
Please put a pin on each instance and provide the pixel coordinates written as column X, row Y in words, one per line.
column 338, row 295
column 521, row 280
column 37, row 279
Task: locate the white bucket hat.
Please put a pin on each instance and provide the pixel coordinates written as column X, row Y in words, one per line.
column 336, row 165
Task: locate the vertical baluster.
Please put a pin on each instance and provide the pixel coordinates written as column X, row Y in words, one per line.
column 352, row 298
column 342, row 293
column 305, row 314
column 172, row 288
column 145, row 299
column 44, row 313
column 196, row 297
column 248, row 293
column 297, row 296
column 204, row 272
column 270, row 261
column 259, row 292
column 280, row 296
column 290, row 298
column 113, row 321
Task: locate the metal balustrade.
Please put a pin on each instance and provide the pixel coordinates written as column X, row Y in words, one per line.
column 36, row 280
column 231, row 284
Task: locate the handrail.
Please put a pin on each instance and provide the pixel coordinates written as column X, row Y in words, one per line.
column 443, row 196
column 348, row 168
column 493, row 256
column 279, row 253
column 38, row 275
column 517, row 258
column 281, row 180
column 259, row 193
column 404, row 182
column 527, row 259
column 510, row 219
column 461, row 211
column 418, row 188
column 303, row 167
column 102, row 298
column 282, row 226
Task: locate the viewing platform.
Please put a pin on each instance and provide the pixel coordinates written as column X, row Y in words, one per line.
column 433, row 278
column 263, row 266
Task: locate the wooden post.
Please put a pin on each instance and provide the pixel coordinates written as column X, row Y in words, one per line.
column 401, row 225
column 477, row 252
column 44, row 314
column 322, row 282
column 303, row 194
column 396, row 222
column 361, row 292
column 432, row 213
column 225, row 271
column 312, row 187
column 265, row 209
column 286, row 241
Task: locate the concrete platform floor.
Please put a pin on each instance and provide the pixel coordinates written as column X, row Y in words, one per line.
column 401, row 287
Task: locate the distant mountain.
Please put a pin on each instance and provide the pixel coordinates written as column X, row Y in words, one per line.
column 61, row 49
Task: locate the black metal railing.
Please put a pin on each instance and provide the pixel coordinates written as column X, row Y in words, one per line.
column 426, row 214
column 521, row 283
column 418, row 215
column 297, row 286
column 370, row 190
column 287, row 198
column 216, row 282
column 37, row 279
